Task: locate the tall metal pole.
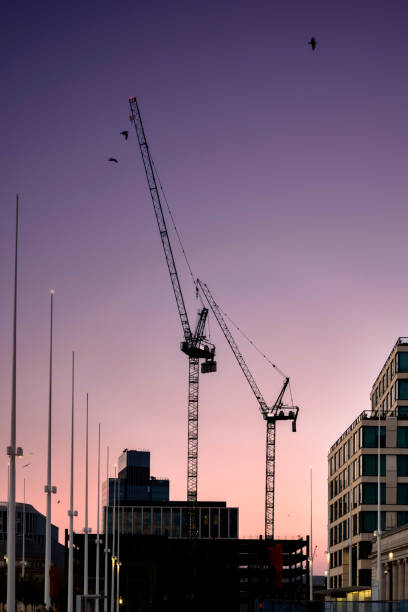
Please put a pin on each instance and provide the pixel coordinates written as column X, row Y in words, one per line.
column 350, row 546
column 12, row 451
column 23, row 560
column 379, row 581
column 98, row 541
column 106, row 551
column 86, row 556
column 311, row 540
column 71, row 512
column 118, row 562
column 49, row 489
column 113, row 547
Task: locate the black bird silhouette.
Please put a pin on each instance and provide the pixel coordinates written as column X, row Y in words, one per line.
column 113, row 159
column 312, row 42
column 125, row 133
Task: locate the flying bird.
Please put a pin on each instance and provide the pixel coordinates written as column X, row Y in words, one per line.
column 113, row 159
column 125, row 133
column 312, row 42
column 59, row 501
column 26, row 465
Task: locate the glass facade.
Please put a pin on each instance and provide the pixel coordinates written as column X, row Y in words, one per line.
column 369, row 465
column 173, row 522
column 402, row 361
column 370, row 493
column 402, row 437
column 370, row 437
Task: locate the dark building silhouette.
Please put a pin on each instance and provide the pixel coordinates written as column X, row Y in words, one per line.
column 134, row 482
column 34, row 540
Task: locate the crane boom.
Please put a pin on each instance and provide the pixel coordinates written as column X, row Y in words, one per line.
column 136, row 118
column 195, row 346
column 225, row 330
column 277, row 412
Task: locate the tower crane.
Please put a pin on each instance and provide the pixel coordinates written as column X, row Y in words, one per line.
column 195, row 346
column 278, row 412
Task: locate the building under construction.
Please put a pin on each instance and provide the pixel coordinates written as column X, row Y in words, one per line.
column 162, row 573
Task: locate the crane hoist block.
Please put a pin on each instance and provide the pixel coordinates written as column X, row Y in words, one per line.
column 208, row 366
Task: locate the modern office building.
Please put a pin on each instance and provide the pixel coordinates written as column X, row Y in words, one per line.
column 172, row 519
column 34, row 539
column 134, row 482
column 353, row 474
column 141, row 505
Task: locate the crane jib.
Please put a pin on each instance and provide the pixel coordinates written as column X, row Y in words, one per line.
column 154, row 192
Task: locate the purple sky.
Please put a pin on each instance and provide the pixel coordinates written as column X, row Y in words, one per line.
column 286, row 171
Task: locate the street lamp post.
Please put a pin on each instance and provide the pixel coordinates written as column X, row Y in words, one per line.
column 378, row 534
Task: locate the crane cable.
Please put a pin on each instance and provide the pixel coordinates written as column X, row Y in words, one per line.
column 177, row 232
column 198, row 293
column 258, row 350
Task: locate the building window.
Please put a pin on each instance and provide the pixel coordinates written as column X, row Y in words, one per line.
column 370, row 437
column 137, row 521
column 392, row 394
column 402, row 493
column 233, row 513
column 369, row 465
column 147, row 521
column 166, row 525
column 402, row 437
column 364, row 550
column 392, row 369
column 402, row 389
column 355, row 441
column 175, row 522
column 368, row 521
column 370, row 493
column 402, row 362
column 402, row 518
column 224, row 523
column 402, row 465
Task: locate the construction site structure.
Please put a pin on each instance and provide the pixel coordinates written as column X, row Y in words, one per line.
column 278, row 412
column 195, row 346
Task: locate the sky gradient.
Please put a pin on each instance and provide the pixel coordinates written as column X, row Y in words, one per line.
column 286, row 172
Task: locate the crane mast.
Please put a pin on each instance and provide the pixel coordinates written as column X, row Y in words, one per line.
column 277, row 412
column 195, row 346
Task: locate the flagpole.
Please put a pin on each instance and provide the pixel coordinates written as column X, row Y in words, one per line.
column 49, row 489
column 106, row 551
column 113, row 546
column 86, row 531
column 98, row 540
column 12, row 452
column 71, row 512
